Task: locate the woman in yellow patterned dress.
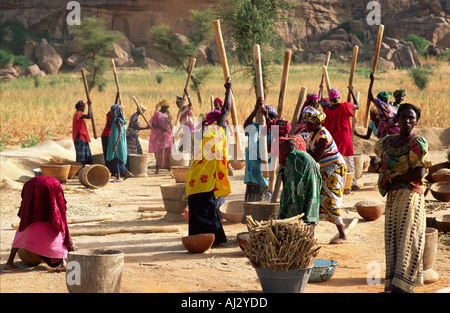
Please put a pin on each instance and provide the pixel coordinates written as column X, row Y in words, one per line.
column 404, row 160
column 207, row 178
column 332, row 168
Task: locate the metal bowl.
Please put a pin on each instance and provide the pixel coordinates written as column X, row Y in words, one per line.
column 322, row 270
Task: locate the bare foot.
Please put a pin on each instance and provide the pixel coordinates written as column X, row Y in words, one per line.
column 10, row 268
column 339, row 241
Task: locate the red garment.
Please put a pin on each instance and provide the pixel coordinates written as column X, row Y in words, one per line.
column 43, row 201
column 301, row 145
column 79, row 126
column 107, row 130
column 338, row 124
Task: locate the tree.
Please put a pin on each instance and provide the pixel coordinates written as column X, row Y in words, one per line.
column 95, row 40
column 164, row 39
column 251, row 22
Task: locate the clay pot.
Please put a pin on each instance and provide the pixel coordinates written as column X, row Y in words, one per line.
column 198, row 243
column 237, row 165
column 30, row 258
column 370, row 213
column 242, row 240
column 441, row 191
column 261, row 211
column 443, row 223
column 232, row 211
column 441, row 175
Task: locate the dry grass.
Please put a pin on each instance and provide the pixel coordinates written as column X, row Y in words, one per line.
column 45, row 111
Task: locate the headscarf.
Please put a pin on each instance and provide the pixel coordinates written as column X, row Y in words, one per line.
column 79, row 104
column 334, row 93
column 384, row 95
column 406, row 106
column 164, row 103
column 313, row 116
column 400, row 92
column 219, row 102
column 312, row 96
column 271, row 110
column 143, row 108
column 179, row 99
column 43, row 201
column 211, row 117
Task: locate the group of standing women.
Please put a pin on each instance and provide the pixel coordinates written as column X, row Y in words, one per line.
column 318, row 158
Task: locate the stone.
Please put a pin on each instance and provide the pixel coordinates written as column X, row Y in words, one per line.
column 48, row 59
column 386, row 52
column 391, row 42
column 385, row 64
column 33, row 70
column 9, row 71
column 356, row 25
column 333, row 45
column 73, row 60
column 405, row 57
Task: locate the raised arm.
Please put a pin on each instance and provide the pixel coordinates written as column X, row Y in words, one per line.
column 226, row 108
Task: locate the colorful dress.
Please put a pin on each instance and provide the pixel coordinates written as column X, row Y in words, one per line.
column 301, row 129
column 187, row 124
column 338, row 124
column 81, row 139
column 301, row 187
column 387, row 124
column 334, row 171
column 105, row 139
column 256, row 183
column 207, row 180
column 405, row 220
column 133, row 144
column 118, row 158
column 160, row 142
column 43, row 226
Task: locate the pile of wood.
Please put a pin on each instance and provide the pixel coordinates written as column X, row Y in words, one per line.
column 281, row 244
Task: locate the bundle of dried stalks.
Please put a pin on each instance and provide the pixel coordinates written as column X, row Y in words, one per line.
column 281, row 244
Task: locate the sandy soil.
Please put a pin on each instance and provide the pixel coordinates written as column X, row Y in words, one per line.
column 158, row 263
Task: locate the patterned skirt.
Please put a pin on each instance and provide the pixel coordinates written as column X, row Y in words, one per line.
column 331, row 195
column 404, row 236
column 133, row 145
column 83, row 152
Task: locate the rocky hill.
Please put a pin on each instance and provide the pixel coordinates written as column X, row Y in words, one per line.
column 315, row 24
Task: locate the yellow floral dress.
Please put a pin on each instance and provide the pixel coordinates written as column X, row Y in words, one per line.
column 209, row 170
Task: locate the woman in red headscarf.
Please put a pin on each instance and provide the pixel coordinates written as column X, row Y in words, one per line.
column 43, row 229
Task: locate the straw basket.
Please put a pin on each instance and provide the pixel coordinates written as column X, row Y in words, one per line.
column 58, row 171
column 75, row 167
column 179, row 173
column 94, row 176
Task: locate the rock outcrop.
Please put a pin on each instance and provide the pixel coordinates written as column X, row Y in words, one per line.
column 48, row 59
column 311, row 22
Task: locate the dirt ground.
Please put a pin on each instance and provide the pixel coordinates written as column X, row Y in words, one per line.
column 159, row 263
